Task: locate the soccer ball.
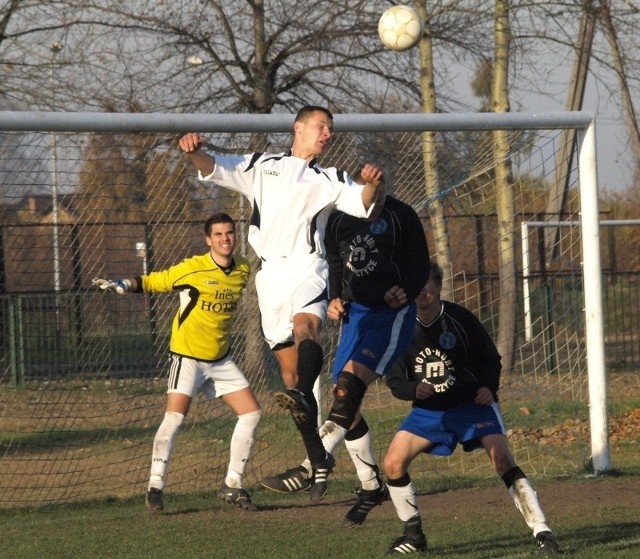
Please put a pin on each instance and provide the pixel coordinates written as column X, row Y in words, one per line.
column 400, row 28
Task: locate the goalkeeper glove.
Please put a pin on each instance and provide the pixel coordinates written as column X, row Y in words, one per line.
column 120, row 286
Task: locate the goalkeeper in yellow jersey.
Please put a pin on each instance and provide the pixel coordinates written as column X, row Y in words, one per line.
column 209, row 287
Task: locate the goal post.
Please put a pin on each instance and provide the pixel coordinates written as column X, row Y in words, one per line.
column 121, row 183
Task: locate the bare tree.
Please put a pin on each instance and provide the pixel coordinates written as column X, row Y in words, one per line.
column 557, row 196
column 505, row 207
column 620, row 63
column 430, row 156
column 239, row 56
column 221, row 56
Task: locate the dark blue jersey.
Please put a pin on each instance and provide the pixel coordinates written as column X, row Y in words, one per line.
column 366, row 258
column 454, row 353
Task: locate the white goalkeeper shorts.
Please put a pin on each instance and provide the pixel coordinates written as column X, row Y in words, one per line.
column 212, row 378
column 286, row 287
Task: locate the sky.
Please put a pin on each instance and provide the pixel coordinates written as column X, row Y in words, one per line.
column 615, row 159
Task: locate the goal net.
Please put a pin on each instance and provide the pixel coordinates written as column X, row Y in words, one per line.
column 83, row 373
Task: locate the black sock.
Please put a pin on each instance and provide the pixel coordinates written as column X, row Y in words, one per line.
column 310, row 360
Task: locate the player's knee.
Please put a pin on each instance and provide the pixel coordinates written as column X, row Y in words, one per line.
column 306, row 327
column 394, row 467
column 348, row 394
column 250, row 420
column 168, row 428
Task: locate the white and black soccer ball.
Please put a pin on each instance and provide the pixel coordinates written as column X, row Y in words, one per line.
column 400, row 28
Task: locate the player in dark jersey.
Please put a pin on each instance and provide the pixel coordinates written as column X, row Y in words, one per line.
column 451, row 372
column 292, row 196
column 377, row 266
column 199, row 348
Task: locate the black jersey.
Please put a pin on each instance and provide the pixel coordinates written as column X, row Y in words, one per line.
column 454, row 353
column 366, row 258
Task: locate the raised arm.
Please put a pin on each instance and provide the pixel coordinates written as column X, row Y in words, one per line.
column 371, row 175
column 191, row 144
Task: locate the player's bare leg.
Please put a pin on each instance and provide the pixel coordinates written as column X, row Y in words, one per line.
column 524, row 496
column 404, row 448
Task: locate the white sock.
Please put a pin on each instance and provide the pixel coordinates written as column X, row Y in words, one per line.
column 162, row 447
column 404, row 500
column 233, row 479
column 526, row 501
column 241, row 446
column 361, row 452
column 306, row 464
column 332, row 435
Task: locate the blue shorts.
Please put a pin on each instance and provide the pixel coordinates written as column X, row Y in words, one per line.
column 374, row 337
column 446, row 428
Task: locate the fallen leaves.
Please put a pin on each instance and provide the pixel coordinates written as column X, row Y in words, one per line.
column 621, row 428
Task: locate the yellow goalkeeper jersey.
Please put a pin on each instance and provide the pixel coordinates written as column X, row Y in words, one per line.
column 209, row 296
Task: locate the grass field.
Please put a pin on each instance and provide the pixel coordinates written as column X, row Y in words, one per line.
column 463, row 517
column 467, row 512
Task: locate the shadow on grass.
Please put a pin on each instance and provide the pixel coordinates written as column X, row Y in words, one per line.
column 607, row 538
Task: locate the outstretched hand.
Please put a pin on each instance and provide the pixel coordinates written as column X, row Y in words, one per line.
column 119, row 286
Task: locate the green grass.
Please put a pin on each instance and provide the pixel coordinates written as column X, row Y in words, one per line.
column 288, row 526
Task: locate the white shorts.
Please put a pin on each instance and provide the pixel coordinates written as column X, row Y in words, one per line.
column 289, row 286
column 212, row 378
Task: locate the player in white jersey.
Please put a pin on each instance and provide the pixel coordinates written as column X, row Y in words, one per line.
column 292, row 197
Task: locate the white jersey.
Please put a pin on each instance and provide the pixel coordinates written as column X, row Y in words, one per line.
column 291, row 200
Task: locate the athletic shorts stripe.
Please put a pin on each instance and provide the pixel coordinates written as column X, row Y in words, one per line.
column 395, row 340
column 174, row 371
column 212, row 378
column 374, row 337
column 445, row 429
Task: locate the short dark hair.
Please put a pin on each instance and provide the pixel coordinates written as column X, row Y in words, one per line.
column 435, row 274
column 304, row 112
column 217, row 218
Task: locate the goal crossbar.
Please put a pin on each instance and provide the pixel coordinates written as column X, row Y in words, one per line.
column 23, row 121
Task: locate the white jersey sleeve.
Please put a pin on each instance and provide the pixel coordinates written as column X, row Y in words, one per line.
column 290, row 199
column 234, row 172
column 349, row 193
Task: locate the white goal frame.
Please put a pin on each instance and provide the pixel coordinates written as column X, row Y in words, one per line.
column 582, row 122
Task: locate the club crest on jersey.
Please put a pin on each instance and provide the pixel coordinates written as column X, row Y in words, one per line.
column 362, row 260
column 447, row 340
column 379, row 226
column 435, row 367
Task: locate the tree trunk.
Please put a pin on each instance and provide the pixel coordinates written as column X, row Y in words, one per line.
column 619, row 63
column 557, row 196
column 504, row 194
column 429, row 157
